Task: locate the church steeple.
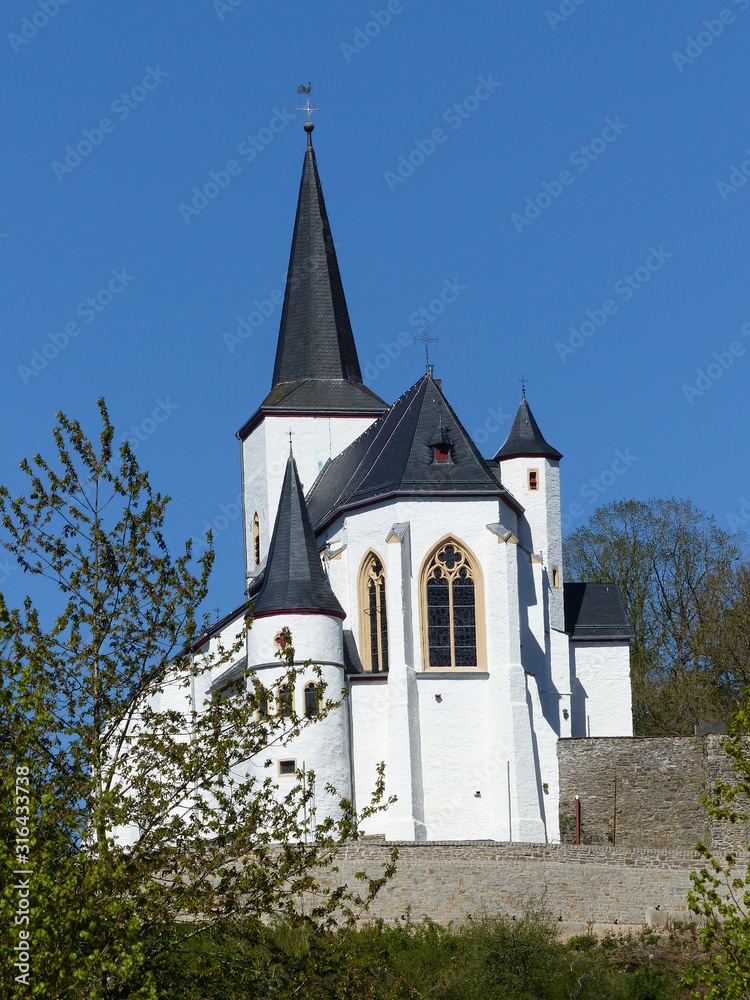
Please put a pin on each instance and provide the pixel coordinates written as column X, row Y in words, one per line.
column 316, row 368
column 294, row 580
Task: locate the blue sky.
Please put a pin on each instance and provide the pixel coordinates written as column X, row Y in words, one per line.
column 573, row 171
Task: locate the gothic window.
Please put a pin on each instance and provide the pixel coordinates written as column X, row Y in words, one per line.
column 311, row 701
column 286, row 701
column 256, row 538
column 451, row 607
column 373, row 615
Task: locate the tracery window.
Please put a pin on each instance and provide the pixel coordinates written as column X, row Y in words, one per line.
column 373, row 614
column 451, row 592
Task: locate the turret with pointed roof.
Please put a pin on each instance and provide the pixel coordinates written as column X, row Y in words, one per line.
column 525, row 439
column 294, row 580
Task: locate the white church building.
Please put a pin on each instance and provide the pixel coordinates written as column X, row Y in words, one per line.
column 425, row 580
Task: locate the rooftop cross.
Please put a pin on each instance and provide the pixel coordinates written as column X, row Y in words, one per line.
column 426, row 339
column 523, row 380
column 302, row 89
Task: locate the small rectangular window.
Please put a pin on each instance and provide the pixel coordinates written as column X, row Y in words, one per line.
column 555, row 577
column 287, row 767
column 533, row 479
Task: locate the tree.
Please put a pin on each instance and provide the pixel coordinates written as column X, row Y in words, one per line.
column 676, row 570
column 721, row 890
column 94, row 753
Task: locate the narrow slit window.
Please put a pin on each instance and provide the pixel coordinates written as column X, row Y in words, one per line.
column 373, row 615
column 256, row 539
column 533, row 479
column 555, row 577
column 285, row 701
column 311, row 701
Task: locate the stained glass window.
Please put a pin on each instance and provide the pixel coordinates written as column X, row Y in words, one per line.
column 451, row 609
column 375, row 616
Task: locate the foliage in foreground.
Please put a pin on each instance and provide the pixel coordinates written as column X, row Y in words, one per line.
column 88, row 749
column 721, row 890
column 496, row 958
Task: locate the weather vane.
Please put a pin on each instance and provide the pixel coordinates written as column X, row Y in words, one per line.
column 523, row 380
column 302, row 89
column 426, row 339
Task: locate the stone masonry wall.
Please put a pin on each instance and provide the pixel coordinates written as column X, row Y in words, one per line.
column 644, row 792
column 454, row 881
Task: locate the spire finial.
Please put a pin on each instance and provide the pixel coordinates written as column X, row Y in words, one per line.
column 523, row 380
column 290, row 443
column 426, row 339
column 302, row 89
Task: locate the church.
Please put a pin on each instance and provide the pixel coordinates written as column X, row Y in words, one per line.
column 424, row 579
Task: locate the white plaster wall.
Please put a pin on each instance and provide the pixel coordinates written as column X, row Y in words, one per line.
column 264, row 456
column 602, row 699
column 255, row 493
column 316, row 637
column 478, row 734
column 541, row 527
column 368, row 701
column 322, row 746
column 430, row 521
column 460, row 759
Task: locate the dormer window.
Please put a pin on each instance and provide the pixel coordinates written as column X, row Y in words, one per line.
column 441, row 444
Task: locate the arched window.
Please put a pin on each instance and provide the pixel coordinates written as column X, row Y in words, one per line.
column 286, row 701
column 311, row 701
column 256, row 538
column 373, row 616
column 452, row 624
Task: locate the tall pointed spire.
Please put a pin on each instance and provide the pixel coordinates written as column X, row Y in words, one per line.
column 294, row 580
column 316, row 367
column 525, row 439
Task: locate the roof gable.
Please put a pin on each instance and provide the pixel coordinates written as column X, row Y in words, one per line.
column 396, row 456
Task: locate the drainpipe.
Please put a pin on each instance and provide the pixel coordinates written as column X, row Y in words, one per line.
column 578, row 820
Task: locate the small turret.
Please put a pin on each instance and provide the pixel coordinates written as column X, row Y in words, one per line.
column 530, row 469
column 296, row 595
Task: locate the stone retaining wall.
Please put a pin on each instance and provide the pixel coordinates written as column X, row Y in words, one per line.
column 644, row 792
column 454, row 881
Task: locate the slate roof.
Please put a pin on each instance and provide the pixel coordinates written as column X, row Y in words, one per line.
column 316, row 367
column 395, row 457
column 525, row 439
column 294, row 579
column 595, row 611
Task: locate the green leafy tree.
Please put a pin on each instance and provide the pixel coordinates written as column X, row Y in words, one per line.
column 676, row 570
column 721, row 890
column 80, row 713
